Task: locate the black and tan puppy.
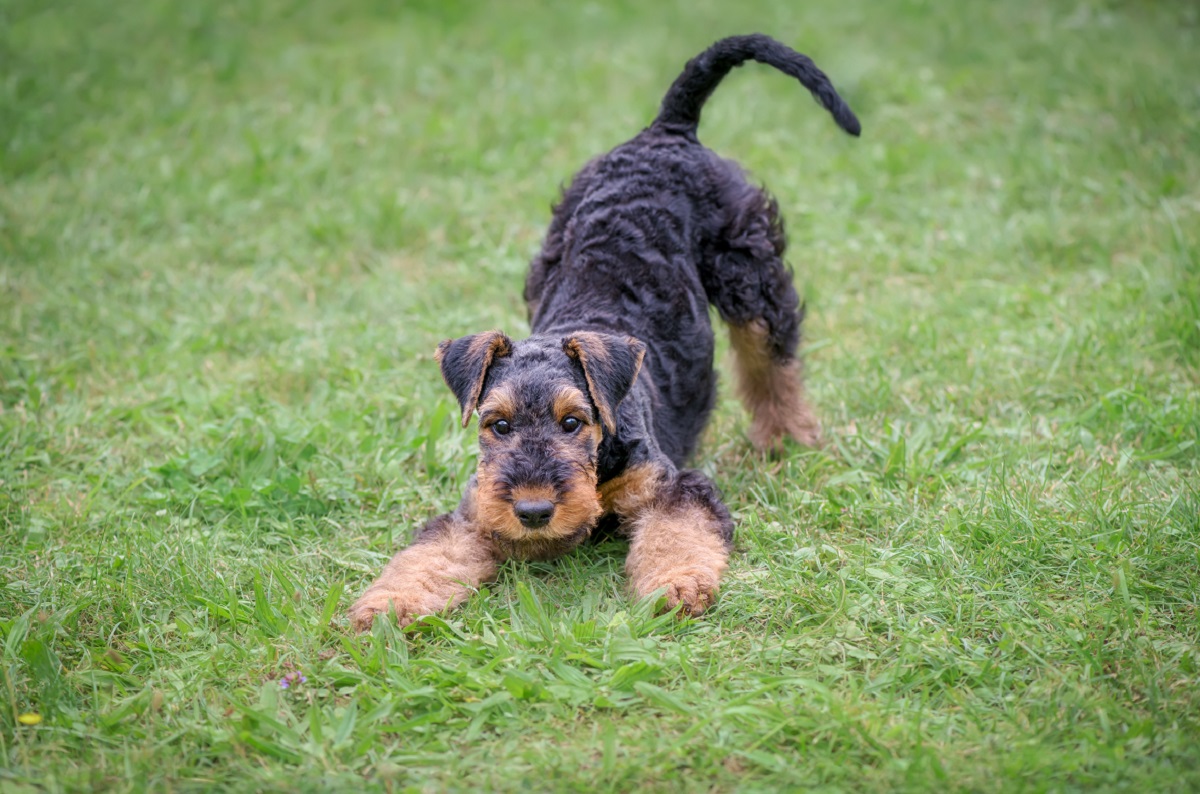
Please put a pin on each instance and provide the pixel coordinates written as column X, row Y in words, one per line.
column 595, row 413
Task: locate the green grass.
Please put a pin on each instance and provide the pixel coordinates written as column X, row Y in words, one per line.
column 231, row 235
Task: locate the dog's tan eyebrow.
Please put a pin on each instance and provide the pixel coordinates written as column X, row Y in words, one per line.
column 501, row 401
column 568, row 401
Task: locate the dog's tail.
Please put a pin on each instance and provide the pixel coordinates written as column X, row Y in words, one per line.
column 687, row 95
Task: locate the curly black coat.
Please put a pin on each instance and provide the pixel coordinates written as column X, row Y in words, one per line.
column 646, row 236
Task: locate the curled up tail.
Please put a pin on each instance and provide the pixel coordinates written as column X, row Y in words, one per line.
column 687, row 95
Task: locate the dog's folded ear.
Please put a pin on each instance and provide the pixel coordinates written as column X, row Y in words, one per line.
column 610, row 366
column 465, row 361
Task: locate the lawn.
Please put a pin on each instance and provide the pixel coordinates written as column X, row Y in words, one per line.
column 231, row 236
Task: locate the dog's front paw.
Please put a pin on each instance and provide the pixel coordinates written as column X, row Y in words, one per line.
column 692, row 589
column 385, row 602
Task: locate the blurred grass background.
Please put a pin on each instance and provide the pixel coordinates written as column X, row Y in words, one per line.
column 231, row 235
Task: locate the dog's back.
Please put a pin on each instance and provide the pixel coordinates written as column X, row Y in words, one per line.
column 646, row 236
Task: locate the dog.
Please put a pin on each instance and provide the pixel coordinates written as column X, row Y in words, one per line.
column 595, row 413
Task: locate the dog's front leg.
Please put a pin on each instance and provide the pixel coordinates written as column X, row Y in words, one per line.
column 680, row 542
column 448, row 560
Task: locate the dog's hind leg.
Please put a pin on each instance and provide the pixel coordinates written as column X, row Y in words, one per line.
column 772, row 389
column 746, row 279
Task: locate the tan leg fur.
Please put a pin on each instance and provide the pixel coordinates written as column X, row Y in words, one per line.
column 432, row 575
column 678, row 549
column 773, row 393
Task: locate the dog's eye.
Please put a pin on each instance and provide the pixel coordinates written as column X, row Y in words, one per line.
column 501, row 427
column 570, row 424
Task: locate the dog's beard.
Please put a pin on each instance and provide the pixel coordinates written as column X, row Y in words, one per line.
column 576, row 511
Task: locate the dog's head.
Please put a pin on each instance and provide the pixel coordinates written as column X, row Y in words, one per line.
column 544, row 405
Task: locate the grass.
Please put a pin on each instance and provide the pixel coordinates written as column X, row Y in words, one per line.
column 231, row 235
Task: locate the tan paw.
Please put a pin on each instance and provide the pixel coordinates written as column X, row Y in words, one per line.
column 694, row 589
column 362, row 614
column 768, row 434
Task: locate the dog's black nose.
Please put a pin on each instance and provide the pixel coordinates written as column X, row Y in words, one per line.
column 534, row 513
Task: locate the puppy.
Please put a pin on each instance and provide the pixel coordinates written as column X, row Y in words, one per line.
column 595, row 413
